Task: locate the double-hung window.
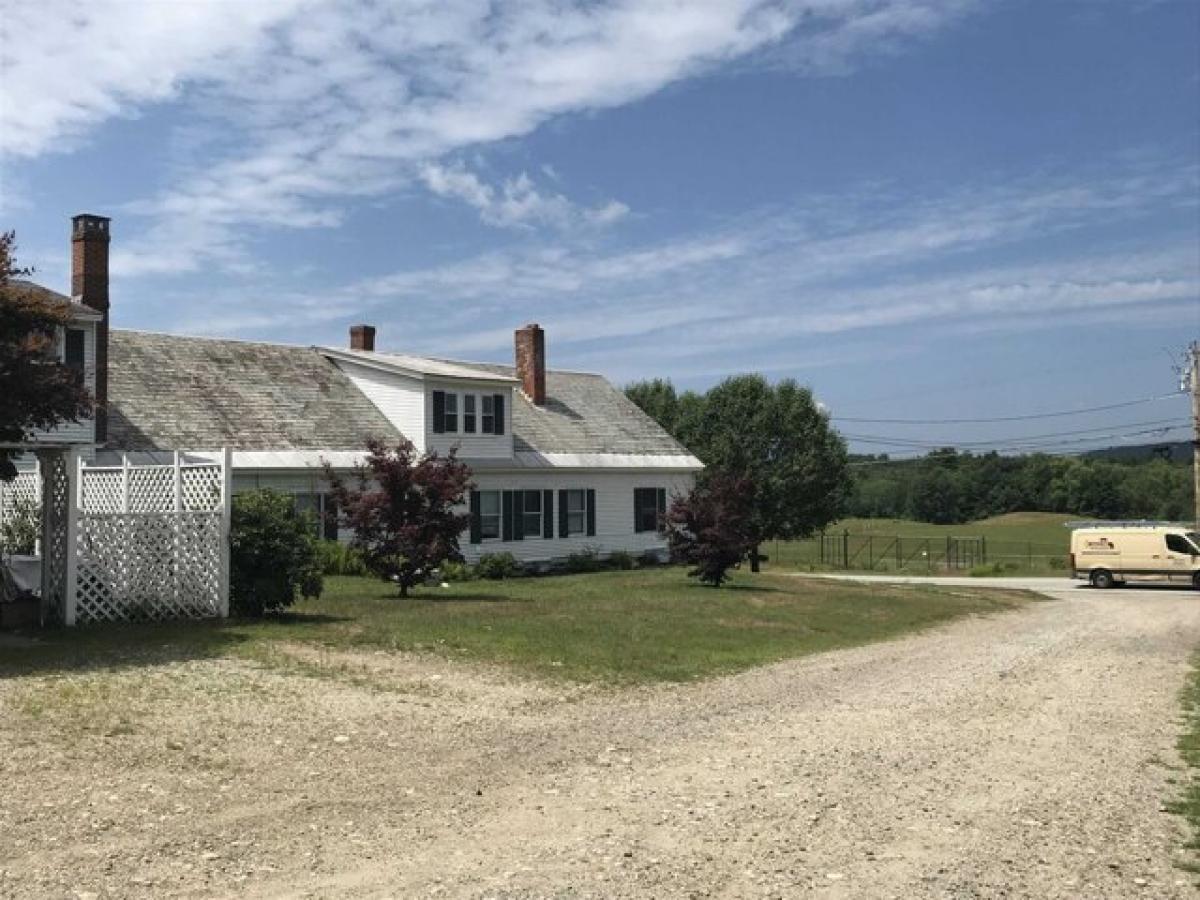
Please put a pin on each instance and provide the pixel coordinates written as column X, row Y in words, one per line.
column 321, row 510
column 531, row 513
column 649, row 506
column 468, row 413
column 489, row 514
column 576, row 512
column 487, row 404
column 73, row 349
column 450, row 419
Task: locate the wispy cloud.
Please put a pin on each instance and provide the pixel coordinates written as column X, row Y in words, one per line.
column 516, row 202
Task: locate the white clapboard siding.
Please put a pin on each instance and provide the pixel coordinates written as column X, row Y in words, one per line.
column 83, row 431
column 399, row 397
column 614, row 507
column 471, row 446
column 614, row 512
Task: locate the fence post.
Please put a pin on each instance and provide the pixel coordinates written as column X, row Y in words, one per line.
column 821, row 552
column 846, row 548
column 226, row 517
column 71, row 580
column 1029, row 554
column 870, row 551
column 899, row 555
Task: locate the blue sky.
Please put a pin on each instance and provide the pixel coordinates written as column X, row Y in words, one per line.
column 922, row 208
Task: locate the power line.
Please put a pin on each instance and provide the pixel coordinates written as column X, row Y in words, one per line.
column 1047, row 446
column 1017, row 439
column 1024, row 418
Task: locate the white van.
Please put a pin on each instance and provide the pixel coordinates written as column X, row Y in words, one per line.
column 1108, row 553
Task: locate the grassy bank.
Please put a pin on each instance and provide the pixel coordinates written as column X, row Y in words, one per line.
column 641, row 626
column 1188, row 805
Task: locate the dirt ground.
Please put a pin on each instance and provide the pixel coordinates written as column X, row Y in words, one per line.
column 1023, row 755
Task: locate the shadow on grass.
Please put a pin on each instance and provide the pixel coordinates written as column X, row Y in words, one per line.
column 130, row 645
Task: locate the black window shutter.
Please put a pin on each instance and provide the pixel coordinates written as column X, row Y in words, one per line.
column 330, row 526
column 637, row 510
column 591, row 512
column 439, row 412
column 562, row 514
column 518, row 515
column 506, row 515
column 547, row 514
column 498, row 407
column 73, row 349
column 476, row 524
column 662, row 506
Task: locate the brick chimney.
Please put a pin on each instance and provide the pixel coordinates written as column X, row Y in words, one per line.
column 531, row 362
column 362, row 337
column 89, row 286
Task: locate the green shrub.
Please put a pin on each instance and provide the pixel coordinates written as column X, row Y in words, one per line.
column 21, row 528
column 456, row 571
column 987, row 570
column 274, row 556
column 1057, row 563
column 336, row 558
column 497, row 566
column 586, row 560
column 620, row 559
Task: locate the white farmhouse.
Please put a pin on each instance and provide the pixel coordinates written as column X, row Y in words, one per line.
column 562, row 461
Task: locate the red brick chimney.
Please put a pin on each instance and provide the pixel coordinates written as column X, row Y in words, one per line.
column 362, row 337
column 531, row 362
column 89, row 286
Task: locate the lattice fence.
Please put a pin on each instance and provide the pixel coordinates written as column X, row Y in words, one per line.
column 152, row 542
column 139, row 541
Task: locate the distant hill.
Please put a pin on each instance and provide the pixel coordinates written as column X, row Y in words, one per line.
column 1176, row 451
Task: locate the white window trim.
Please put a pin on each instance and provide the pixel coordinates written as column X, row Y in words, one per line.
column 539, row 533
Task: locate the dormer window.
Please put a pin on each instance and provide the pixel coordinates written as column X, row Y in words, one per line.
column 481, row 413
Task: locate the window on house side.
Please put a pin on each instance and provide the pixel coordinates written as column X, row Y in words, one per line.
column 645, row 502
column 531, row 513
column 73, row 349
column 489, row 514
column 488, row 406
column 468, row 413
column 450, row 417
column 576, row 512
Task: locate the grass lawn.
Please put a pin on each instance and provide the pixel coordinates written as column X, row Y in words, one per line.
column 619, row 627
column 1022, row 543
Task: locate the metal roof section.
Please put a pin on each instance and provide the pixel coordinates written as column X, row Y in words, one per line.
column 415, row 366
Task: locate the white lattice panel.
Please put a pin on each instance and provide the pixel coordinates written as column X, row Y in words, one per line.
column 201, row 488
column 152, row 489
column 56, row 496
column 102, row 491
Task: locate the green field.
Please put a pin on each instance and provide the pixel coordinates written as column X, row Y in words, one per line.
column 1015, row 543
column 618, row 627
column 1188, row 804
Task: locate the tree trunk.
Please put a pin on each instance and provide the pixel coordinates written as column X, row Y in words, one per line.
column 754, row 567
column 403, row 590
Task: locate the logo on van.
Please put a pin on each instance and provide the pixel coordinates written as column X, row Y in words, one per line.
column 1100, row 544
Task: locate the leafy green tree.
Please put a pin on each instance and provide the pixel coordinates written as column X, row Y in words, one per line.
column 658, row 400
column 274, row 557
column 39, row 392
column 778, row 440
column 936, row 497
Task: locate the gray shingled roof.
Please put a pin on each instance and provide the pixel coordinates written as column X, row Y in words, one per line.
column 171, row 392
column 583, row 414
column 183, row 393
column 34, row 289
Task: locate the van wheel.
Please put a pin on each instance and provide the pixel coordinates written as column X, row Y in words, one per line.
column 1102, row 578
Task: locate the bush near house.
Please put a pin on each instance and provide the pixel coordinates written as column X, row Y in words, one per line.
column 274, row 557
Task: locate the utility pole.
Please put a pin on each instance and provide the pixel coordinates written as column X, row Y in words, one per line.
column 1194, row 383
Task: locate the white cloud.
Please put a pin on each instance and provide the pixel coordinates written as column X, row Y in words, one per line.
column 326, row 101
column 517, row 202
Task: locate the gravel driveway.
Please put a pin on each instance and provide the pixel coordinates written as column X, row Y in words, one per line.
column 1023, row 755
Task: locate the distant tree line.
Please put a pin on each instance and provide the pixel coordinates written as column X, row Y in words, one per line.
column 947, row 487
column 803, row 478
